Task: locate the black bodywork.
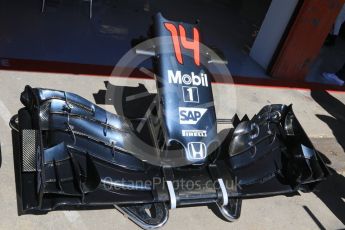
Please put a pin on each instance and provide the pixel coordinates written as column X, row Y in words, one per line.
column 70, row 153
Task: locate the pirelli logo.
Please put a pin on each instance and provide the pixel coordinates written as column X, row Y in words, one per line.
column 194, row 133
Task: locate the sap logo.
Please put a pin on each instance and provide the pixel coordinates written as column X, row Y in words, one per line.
column 186, row 79
column 197, row 150
column 190, row 116
column 194, row 133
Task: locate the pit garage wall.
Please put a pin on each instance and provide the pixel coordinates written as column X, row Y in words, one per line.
column 305, row 38
column 272, row 30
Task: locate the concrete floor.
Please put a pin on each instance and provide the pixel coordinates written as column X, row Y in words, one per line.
column 323, row 209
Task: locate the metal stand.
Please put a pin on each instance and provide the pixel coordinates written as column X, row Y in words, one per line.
column 159, row 214
column 232, row 211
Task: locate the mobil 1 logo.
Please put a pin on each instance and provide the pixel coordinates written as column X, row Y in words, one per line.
column 190, row 94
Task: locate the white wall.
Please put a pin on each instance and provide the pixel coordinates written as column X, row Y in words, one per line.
column 272, row 30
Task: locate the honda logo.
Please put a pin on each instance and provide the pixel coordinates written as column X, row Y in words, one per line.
column 197, row 150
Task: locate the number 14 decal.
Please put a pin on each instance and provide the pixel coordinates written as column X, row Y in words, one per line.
column 191, row 45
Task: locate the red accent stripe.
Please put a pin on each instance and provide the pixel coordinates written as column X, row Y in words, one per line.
column 105, row 71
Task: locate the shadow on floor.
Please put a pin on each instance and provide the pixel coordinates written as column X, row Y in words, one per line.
column 332, row 191
column 336, row 109
column 314, row 218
